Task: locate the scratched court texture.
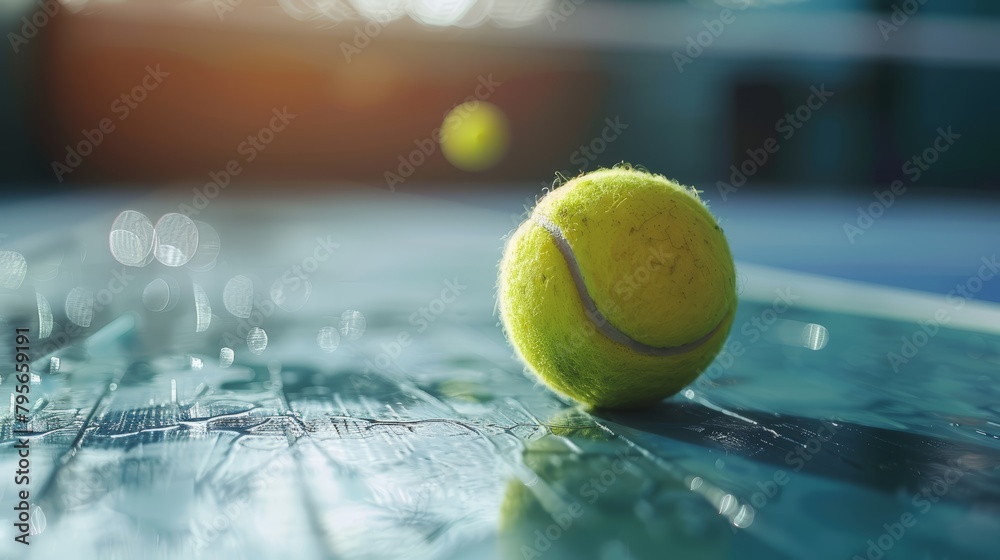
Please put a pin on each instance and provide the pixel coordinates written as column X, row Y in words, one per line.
column 416, row 434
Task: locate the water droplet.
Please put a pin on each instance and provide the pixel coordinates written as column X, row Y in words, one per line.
column 202, row 309
column 44, row 316
column 156, row 295
column 744, row 517
column 176, row 239
column 815, row 337
column 257, row 340
column 237, row 296
column 290, row 293
column 352, row 324
column 226, row 356
column 132, row 239
column 13, row 269
column 80, row 306
column 728, row 504
column 209, row 247
column 37, row 521
column 328, row 339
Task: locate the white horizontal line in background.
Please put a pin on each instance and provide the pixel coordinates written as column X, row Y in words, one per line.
column 864, row 299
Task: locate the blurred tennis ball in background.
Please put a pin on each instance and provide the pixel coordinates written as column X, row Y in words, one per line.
column 475, row 136
column 619, row 289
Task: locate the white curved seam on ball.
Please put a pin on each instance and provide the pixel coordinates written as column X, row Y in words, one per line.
column 594, row 314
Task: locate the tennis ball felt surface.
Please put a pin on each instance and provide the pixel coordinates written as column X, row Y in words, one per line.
column 619, row 289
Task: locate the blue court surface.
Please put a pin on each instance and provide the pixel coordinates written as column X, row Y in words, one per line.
column 380, row 397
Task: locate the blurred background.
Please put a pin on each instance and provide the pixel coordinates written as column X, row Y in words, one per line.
column 372, row 155
column 682, row 87
column 827, row 114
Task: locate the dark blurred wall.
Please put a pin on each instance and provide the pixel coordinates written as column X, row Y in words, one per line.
column 22, row 161
column 573, row 105
column 880, row 115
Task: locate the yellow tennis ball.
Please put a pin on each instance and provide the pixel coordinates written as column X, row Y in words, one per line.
column 474, row 136
column 619, row 289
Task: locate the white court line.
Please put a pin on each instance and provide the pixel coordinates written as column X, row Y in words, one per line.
column 863, row 298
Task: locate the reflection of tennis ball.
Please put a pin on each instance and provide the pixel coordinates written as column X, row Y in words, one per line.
column 596, row 498
column 619, row 289
column 474, row 136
